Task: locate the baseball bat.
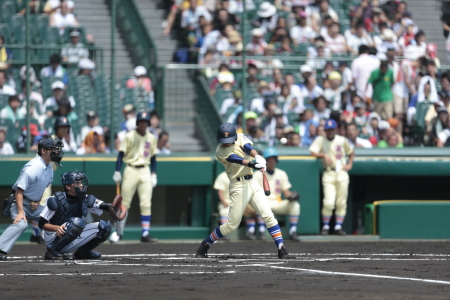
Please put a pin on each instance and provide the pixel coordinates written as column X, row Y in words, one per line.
column 117, row 188
column 266, row 185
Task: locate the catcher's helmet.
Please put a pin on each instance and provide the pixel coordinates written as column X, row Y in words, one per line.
column 226, row 133
column 76, row 176
column 143, row 116
column 61, row 121
column 269, row 152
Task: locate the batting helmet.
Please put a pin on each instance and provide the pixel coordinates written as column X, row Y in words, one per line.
column 226, row 133
column 269, row 152
column 60, row 122
column 76, row 176
column 143, row 116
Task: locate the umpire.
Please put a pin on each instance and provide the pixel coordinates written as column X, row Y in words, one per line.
column 333, row 149
column 34, row 177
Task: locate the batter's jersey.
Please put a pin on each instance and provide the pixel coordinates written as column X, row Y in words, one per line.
column 138, row 149
column 337, row 149
column 222, row 183
column 278, row 182
column 222, row 153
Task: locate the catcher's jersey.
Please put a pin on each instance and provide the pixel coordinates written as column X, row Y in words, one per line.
column 337, row 149
column 278, row 182
column 138, row 149
column 222, row 183
column 222, row 153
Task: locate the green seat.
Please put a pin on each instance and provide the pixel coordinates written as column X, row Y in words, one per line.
column 3, row 101
column 8, row 9
column 42, row 21
column 50, row 35
column 48, row 125
column 6, row 33
column 17, row 21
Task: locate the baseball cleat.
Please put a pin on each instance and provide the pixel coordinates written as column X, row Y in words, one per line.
column 294, row 237
column 339, row 232
column 282, row 252
column 3, row 255
column 114, row 238
column 49, row 255
column 202, row 251
column 36, row 239
column 90, row 255
column 262, row 236
column 148, row 239
column 251, row 236
column 324, row 231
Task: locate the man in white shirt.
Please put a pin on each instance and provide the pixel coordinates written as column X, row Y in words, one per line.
column 92, row 125
column 302, row 33
column 63, row 19
column 189, row 18
column 419, row 47
column 362, row 67
column 74, row 51
column 58, row 94
column 5, row 147
column 336, row 41
column 4, row 88
column 354, row 140
column 359, row 38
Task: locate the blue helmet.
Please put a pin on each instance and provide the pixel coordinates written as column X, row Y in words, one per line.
column 269, row 152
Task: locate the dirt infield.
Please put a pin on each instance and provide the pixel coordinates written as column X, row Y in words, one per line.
column 239, row 270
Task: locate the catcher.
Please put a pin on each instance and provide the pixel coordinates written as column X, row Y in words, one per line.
column 64, row 229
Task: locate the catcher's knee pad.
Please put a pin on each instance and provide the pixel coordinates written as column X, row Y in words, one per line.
column 104, row 229
column 74, row 228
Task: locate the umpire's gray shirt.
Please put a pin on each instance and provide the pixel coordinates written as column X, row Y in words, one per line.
column 34, row 177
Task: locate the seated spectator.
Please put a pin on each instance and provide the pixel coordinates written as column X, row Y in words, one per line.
column 140, row 80
column 231, row 102
column 154, row 124
column 374, row 126
column 223, row 18
column 321, row 110
column 438, row 125
column 235, row 41
column 258, row 104
column 58, row 94
column 319, row 42
column 162, row 146
column 335, row 41
column 310, row 133
column 353, row 138
column 292, row 104
column 223, row 69
column 444, row 137
column 310, row 89
column 6, row 55
column 92, row 125
column 276, row 85
column 35, row 8
column 432, row 111
column 386, row 140
column 387, row 40
column 334, row 92
column 55, row 69
column 361, row 117
column 285, row 46
column 284, row 95
column 12, row 110
column 325, row 9
column 393, row 141
column 293, row 140
column 65, row 110
column 74, row 50
column 418, row 47
column 86, row 68
column 68, row 138
column 190, row 17
column 267, row 17
column 407, row 38
column 360, row 37
column 92, row 144
column 52, row 6
column 320, row 59
column 426, row 93
column 5, row 146
column 5, row 88
column 257, row 45
column 63, row 19
column 305, row 116
column 277, row 120
column 256, row 134
column 302, row 33
column 35, row 135
column 129, row 113
column 237, row 6
column 373, row 23
column 295, row 90
column 34, row 97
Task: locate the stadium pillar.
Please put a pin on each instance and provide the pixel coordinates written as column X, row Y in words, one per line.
column 244, row 64
column 27, row 63
column 113, row 63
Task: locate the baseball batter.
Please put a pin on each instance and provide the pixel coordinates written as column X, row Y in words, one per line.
column 23, row 203
column 233, row 152
column 279, row 187
column 138, row 151
column 333, row 149
column 61, row 220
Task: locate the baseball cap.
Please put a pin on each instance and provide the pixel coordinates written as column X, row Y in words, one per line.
column 334, row 76
column 302, row 14
column 91, row 115
column 140, row 71
column 383, row 125
column 257, row 32
column 86, row 63
column 57, row 85
column 441, row 109
column 250, row 115
column 305, row 69
column 128, row 108
column 74, row 33
column 330, row 124
column 33, row 129
column 225, row 76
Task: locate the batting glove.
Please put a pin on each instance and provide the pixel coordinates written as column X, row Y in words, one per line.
column 117, row 177
column 260, row 166
column 260, row 160
column 154, row 180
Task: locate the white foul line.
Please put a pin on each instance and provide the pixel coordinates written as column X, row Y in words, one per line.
column 361, row 275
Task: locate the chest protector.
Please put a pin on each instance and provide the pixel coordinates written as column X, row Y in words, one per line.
column 66, row 208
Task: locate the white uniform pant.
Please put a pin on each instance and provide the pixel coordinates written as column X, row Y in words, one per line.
column 284, row 207
column 242, row 193
column 335, row 190
column 137, row 179
column 89, row 233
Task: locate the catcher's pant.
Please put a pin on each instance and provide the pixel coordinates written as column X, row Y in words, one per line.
column 242, row 193
column 137, row 179
column 14, row 231
column 89, row 233
column 335, row 190
column 47, row 193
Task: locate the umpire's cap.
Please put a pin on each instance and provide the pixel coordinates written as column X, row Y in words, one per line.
column 143, row 116
column 269, row 152
column 61, row 121
column 226, row 133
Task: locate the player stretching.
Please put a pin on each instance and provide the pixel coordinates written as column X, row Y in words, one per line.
column 34, row 177
column 138, row 151
column 332, row 149
column 64, row 228
column 233, row 152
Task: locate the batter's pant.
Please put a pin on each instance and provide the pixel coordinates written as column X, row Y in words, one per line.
column 335, row 190
column 242, row 193
column 14, row 231
column 89, row 233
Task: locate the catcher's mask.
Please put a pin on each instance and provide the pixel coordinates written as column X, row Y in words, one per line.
column 55, row 145
column 80, row 182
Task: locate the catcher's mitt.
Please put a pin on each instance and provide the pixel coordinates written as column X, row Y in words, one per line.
column 117, row 210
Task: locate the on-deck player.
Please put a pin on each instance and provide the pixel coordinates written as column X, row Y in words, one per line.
column 279, row 187
column 138, row 150
column 333, row 149
column 64, row 228
column 233, row 151
column 34, row 177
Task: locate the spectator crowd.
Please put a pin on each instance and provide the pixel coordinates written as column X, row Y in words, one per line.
column 370, row 68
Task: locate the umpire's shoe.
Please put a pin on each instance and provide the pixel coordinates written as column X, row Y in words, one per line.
column 49, row 255
column 3, row 255
column 148, row 239
column 282, row 252
column 87, row 255
column 202, row 251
